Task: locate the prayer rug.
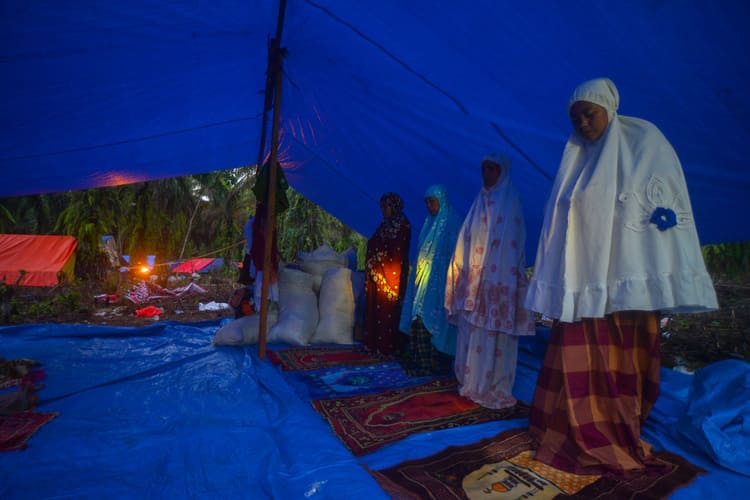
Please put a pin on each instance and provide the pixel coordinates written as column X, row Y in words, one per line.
column 366, row 423
column 351, row 380
column 31, row 378
column 503, row 467
column 16, row 429
column 317, row 358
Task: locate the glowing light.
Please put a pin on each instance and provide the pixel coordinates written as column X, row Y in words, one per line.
column 145, row 269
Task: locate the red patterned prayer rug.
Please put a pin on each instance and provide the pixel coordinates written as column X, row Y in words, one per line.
column 316, row 358
column 366, row 423
column 503, row 467
column 16, row 429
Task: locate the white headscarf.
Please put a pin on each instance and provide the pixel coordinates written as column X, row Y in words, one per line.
column 618, row 230
column 486, row 280
column 601, row 91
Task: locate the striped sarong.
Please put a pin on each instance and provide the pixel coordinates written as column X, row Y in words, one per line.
column 421, row 358
column 598, row 383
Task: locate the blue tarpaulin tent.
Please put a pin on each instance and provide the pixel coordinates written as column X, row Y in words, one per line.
column 377, row 96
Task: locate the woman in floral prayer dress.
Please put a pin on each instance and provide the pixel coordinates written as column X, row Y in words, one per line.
column 486, row 288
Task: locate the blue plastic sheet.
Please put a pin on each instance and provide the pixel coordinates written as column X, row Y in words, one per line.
column 160, row 412
column 717, row 419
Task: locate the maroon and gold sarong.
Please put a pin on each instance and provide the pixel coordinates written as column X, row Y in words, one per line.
column 597, row 385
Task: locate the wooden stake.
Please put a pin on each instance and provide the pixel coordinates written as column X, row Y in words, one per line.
column 275, row 71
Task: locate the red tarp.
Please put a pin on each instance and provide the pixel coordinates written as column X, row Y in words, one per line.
column 193, row 265
column 42, row 257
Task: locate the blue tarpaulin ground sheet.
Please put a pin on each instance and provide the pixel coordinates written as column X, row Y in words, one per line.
column 160, row 412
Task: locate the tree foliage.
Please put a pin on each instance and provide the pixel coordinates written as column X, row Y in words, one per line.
column 305, row 226
column 183, row 217
column 728, row 260
column 204, row 215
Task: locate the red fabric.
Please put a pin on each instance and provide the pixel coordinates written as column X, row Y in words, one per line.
column 42, row 257
column 246, row 308
column 317, row 358
column 193, row 265
column 149, row 311
column 367, row 422
column 16, row 429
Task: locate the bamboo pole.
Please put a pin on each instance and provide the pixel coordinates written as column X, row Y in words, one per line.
column 275, row 72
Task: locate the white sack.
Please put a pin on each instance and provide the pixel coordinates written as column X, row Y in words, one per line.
column 298, row 308
column 319, row 261
column 243, row 330
column 336, row 307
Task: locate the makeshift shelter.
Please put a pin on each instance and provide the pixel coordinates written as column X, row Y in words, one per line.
column 389, row 96
column 198, row 265
column 40, row 257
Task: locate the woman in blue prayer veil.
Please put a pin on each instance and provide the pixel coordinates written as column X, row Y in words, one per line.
column 432, row 340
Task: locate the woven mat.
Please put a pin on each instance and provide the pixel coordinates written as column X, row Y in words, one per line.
column 366, row 423
column 16, row 429
column 317, row 358
column 503, row 467
column 351, row 380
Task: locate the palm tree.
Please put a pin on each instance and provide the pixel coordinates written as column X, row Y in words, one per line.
column 305, row 226
column 172, row 218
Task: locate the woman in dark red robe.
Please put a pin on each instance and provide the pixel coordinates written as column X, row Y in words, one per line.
column 386, row 271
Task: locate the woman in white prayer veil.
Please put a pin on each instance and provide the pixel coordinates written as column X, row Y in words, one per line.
column 618, row 246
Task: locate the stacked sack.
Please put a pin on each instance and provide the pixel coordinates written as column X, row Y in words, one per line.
column 298, row 308
column 243, row 330
column 318, row 262
column 316, row 304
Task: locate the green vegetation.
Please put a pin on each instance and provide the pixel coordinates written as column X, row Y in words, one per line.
column 305, row 226
column 194, row 216
column 728, row 261
column 61, row 299
column 204, row 215
column 183, row 217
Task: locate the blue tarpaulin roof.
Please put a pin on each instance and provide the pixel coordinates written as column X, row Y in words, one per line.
column 377, row 96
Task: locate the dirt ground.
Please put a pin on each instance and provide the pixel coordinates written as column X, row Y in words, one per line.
column 689, row 341
column 695, row 340
column 119, row 311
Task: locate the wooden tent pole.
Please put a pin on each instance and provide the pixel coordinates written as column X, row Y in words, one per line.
column 275, row 69
column 267, row 105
